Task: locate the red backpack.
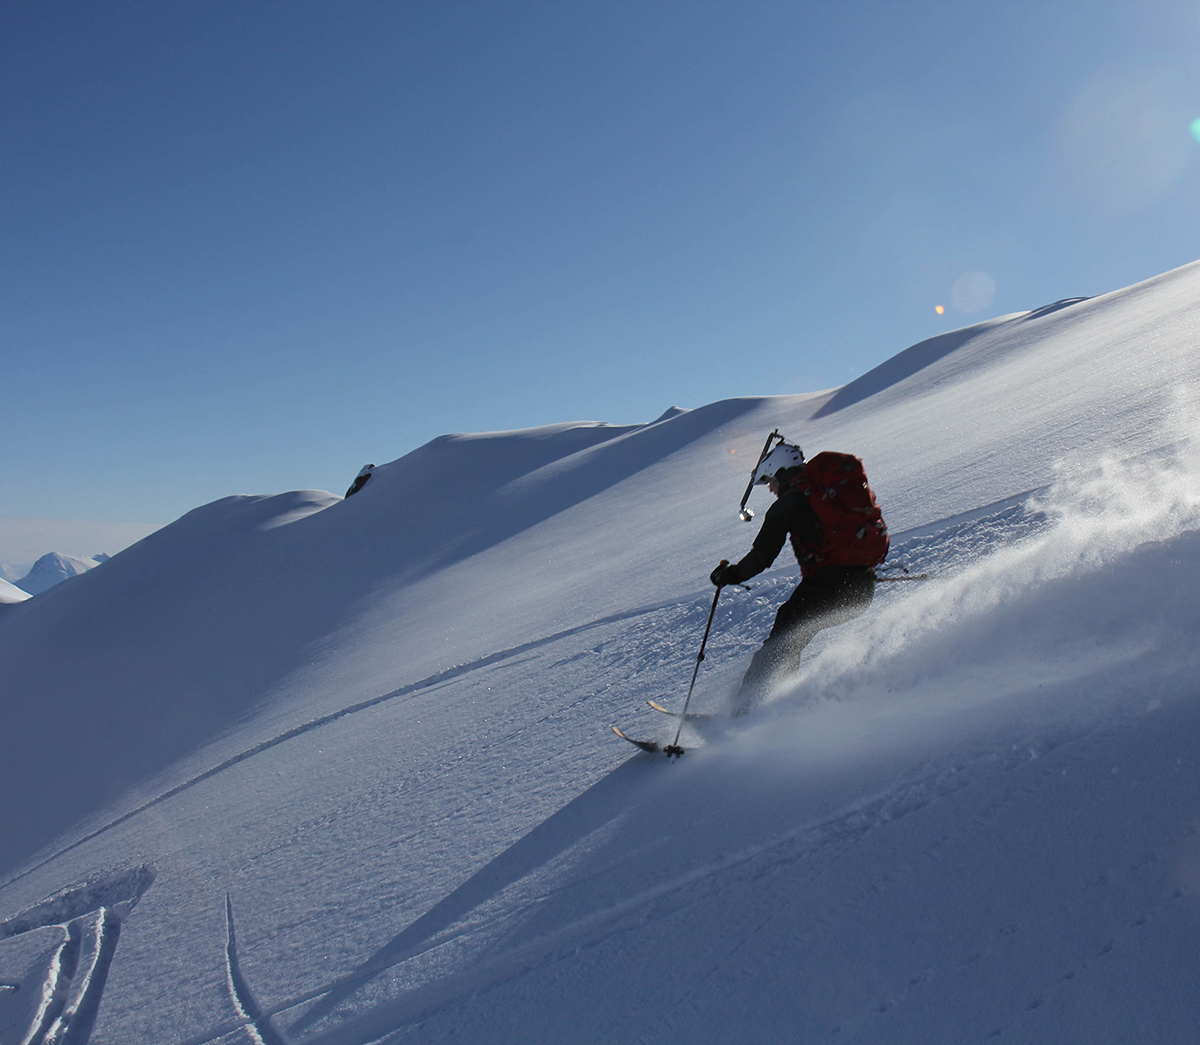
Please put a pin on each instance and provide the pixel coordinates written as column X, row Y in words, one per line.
column 851, row 522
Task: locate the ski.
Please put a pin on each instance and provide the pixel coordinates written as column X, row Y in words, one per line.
column 645, row 745
column 691, row 716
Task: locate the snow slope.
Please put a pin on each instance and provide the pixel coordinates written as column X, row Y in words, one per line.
column 300, row 769
column 10, row 593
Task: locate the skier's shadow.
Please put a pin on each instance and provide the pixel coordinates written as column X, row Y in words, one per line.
column 597, row 806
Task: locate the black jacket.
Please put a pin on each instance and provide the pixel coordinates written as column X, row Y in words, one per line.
column 790, row 514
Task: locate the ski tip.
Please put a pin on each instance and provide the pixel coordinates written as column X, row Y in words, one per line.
column 695, row 717
column 645, row 745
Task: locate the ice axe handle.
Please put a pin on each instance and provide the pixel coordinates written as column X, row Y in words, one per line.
column 744, row 513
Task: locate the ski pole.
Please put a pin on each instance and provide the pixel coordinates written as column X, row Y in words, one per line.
column 674, row 750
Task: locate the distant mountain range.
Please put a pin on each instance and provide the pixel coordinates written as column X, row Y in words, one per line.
column 53, row 568
column 13, row 572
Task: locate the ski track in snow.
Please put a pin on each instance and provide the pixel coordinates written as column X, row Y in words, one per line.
column 430, row 681
column 256, row 1023
column 90, row 918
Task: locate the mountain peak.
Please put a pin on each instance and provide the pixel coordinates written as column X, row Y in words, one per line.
column 54, row 568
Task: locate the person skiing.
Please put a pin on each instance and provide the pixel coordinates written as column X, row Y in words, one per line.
column 838, row 542
column 360, row 480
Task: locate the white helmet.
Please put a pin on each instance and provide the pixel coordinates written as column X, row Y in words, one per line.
column 783, row 457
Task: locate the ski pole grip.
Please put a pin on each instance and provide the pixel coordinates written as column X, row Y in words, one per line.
column 720, row 566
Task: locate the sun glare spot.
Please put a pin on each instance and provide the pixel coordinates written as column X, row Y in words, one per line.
column 939, row 309
column 973, row 292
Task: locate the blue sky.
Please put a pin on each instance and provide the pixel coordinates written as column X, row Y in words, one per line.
column 248, row 247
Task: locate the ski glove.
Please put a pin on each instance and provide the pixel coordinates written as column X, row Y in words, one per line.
column 723, row 574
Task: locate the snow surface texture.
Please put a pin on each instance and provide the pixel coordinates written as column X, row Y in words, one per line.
column 351, row 760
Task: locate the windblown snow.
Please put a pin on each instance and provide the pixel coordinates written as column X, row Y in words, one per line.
column 298, row 769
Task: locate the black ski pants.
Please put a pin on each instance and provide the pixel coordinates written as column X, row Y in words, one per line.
column 826, row 598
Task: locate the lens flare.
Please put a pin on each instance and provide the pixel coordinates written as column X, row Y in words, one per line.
column 1196, row 129
column 1121, row 139
column 973, row 292
column 939, row 309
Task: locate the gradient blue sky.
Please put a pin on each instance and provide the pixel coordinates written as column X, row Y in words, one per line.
column 249, row 246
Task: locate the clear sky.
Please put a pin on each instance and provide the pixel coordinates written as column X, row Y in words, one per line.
column 248, row 247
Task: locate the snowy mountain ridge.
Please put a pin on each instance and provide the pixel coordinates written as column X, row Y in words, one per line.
column 364, row 745
column 54, row 568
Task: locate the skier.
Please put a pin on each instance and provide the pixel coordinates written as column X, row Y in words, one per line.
column 837, row 567
column 360, row 480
